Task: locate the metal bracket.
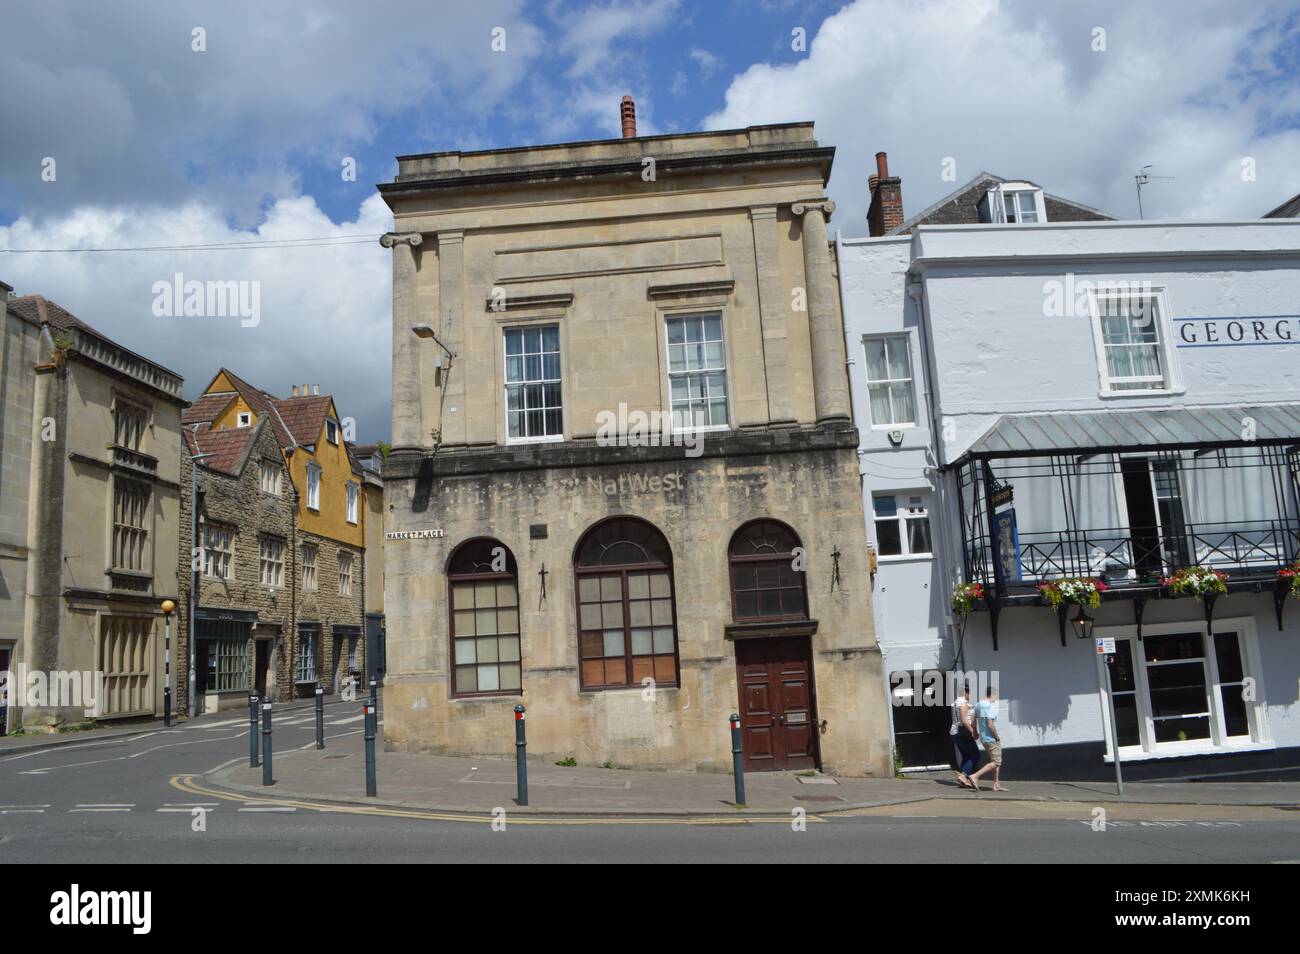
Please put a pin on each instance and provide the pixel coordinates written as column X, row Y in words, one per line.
column 995, row 610
column 1209, row 599
column 1139, row 607
column 1060, row 619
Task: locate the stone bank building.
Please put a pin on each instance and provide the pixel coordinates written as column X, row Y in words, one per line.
column 623, row 488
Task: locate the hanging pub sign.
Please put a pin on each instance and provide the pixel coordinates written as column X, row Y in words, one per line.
column 1006, row 546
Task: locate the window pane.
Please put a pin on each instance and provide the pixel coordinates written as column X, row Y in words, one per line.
column 488, row 680
column 614, row 642
column 1173, row 646
column 1126, row 719
column 885, row 505
column 918, row 535
column 1235, row 720
column 876, row 368
column 903, row 410
column 641, row 642
column 900, row 364
column 1227, row 652
column 509, row 676
column 889, row 538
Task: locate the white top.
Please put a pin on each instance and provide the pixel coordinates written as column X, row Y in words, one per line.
column 956, row 712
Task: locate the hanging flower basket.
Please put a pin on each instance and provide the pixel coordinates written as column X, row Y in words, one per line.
column 1197, row 581
column 1081, row 591
column 1290, row 577
column 966, row 596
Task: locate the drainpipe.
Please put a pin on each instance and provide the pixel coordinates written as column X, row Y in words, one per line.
column 291, row 637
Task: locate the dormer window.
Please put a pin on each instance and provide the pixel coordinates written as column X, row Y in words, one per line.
column 1013, row 203
column 245, row 419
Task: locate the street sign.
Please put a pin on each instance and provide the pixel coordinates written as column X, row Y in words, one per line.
column 1105, row 645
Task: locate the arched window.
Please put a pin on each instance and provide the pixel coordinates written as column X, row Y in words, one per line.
column 482, row 583
column 627, row 628
column 764, row 582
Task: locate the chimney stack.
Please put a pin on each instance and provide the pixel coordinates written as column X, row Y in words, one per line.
column 886, row 212
column 627, row 110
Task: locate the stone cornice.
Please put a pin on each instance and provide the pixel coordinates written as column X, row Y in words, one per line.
column 410, row 463
column 613, row 168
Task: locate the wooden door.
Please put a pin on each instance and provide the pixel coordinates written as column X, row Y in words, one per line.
column 778, row 717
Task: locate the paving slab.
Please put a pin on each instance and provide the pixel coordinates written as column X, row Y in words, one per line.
column 481, row 785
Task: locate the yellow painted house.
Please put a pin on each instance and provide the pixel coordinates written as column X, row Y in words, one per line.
column 311, row 437
column 324, row 565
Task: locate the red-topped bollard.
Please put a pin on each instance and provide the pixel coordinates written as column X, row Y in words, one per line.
column 521, row 759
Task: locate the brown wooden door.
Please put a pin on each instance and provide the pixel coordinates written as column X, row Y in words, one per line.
column 777, row 706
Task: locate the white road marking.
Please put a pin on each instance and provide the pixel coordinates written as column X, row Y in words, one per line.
column 25, row 806
column 75, row 810
column 22, row 811
column 219, row 725
column 346, row 721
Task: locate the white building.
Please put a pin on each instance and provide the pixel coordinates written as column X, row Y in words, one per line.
column 1108, row 400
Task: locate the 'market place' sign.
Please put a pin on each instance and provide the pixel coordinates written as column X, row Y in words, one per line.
column 1225, row 332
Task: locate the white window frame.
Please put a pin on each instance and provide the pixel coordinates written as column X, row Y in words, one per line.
column 218, row 561
column 902, row 513
column 354, row 497
column 308, row 655
column 332, row 431
column 271, row 476
column 997, row 202
column 313, row 487
column 1173, row 383
column 1218, row 743
column 271, row 562
column 309, row 581
column 345, row 578
column 244, row 419
column 726, row 376
column 911, row 380
column 507, row 384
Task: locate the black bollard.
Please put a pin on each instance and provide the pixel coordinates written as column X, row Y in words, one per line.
column 320, row 718
column 521, row 757
column 738, row 760
column 252, row 730
column 372, row 787
column 266, row 744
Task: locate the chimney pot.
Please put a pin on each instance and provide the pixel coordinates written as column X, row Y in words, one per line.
column 627, row 112
column 882, row 165
column 295, row 390
column 315, row 389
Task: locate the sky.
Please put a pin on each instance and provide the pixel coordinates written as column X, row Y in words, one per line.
column 132, row 131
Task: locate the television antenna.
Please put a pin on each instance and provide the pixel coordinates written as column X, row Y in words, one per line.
column 1142, row 178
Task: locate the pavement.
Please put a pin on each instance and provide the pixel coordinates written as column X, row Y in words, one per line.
column 446, row 784
column 151, row 794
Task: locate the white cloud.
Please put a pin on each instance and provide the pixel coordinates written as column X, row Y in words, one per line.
column 1015, row 88
column 589, row 36
column 325, row 311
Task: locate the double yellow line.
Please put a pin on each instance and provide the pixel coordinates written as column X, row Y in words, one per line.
column 187, row 784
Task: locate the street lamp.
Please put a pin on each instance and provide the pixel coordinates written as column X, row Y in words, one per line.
column 1082, row 623
column 168, row 607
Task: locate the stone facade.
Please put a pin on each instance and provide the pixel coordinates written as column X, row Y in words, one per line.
column 102, row 506
column 270, row 621
column 241, row 605
column 610, row 245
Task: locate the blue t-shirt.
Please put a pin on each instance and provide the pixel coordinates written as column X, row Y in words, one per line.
column 985, row 713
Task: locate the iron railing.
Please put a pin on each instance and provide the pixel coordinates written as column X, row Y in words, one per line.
column 1143, row 555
